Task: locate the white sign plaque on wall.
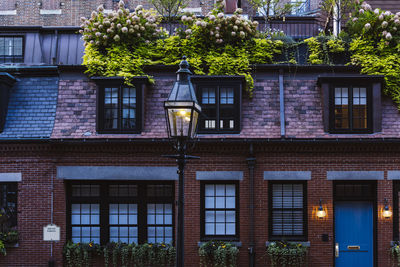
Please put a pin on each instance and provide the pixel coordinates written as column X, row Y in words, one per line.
column 51, row 232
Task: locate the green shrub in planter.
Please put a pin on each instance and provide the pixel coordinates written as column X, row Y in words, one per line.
column 218, row 254
column 9, row 237
column 144, row 255
column 80, row 254
column 287, row 254
column 395, row 252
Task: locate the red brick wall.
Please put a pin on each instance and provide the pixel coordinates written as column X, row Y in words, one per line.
column 38, row 163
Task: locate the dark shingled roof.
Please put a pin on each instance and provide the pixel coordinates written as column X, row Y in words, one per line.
column 32, row 108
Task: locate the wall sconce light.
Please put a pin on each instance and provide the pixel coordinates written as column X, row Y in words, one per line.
column 39, row 4
column 62, row 4
column 321, row 213
column 386, row 213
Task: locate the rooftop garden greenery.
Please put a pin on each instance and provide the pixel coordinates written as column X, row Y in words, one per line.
column 122, row 43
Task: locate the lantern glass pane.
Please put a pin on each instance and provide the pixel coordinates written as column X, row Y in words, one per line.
column 194, row 123
column 179, row 121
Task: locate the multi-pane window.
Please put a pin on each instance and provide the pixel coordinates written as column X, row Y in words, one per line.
column 119, row 107
column 220, row 107
column 8, row 203
column 85, row 221
column 220, row 211
column 350, row 109
column 159, row 222
column 121, row 212
column 11, row 49
column 287, row 211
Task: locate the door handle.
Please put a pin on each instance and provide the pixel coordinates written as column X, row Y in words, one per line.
column 337, row 250
column 353, row 247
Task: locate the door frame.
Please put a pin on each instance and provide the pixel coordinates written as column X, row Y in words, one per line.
column 372, row 198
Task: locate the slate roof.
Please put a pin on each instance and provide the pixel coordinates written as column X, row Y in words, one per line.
column 31, row 108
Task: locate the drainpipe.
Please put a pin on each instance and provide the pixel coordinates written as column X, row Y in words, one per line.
column 251, row 162
column 282, row 103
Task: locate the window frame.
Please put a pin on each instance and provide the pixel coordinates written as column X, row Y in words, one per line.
column 350, row 86
column 118, row 82
column 396, row 213
column 219, row 82
column 303, row 237
column 104, row 200
column 203, row 236
column 14, row 58
column 15, row 213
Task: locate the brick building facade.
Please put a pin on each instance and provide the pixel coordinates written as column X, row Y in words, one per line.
column 282, row 148
column 53, row 139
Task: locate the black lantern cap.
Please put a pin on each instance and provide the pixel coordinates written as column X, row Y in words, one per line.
column 183, row 90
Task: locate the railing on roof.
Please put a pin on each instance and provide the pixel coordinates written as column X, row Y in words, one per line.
column 294, row 26
column 303, row 9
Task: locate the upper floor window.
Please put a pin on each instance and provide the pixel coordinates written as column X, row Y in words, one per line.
column 219, row 218
column 350, row 109
column 352, row 103
column 11, row 49
column 119, row 107
column 121, row 212
column 220, row 101
column 288, row 210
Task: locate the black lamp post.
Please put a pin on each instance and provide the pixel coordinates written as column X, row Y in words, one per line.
column 182, row 112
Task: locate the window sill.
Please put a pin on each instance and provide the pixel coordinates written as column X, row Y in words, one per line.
column 303, row 243
column 236, row 243
column 8, row 12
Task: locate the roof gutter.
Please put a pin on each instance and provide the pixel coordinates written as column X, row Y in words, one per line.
column 206, row 141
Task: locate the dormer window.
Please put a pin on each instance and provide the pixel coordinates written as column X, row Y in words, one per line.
column 119, row 107
column 220, row 100
column 11, row 49
column 351, row 108
column 352, row 104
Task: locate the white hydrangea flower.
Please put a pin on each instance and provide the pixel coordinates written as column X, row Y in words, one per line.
column 384, row 24
column 388, row 36
column 361, row 11
column 367, row 26
column 100, row 8
column 220, row 15
column 376, row 11
column 124, row 29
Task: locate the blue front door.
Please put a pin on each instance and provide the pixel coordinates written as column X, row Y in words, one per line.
column 354, row 234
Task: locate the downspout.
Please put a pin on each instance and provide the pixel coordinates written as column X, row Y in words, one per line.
column 251, row 162
column 282, row 104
